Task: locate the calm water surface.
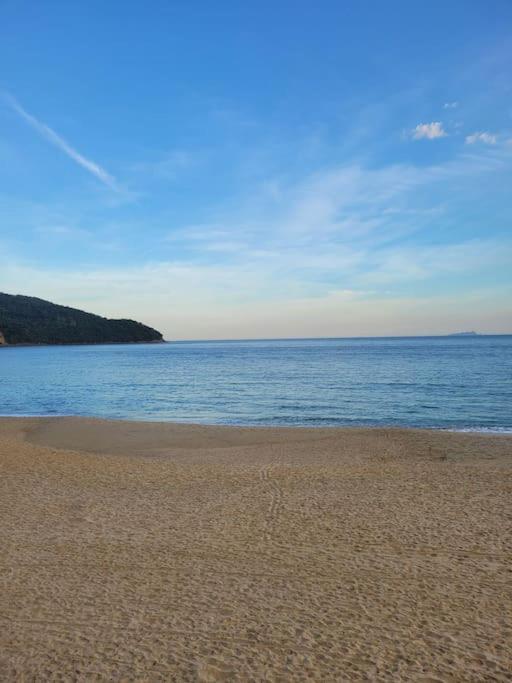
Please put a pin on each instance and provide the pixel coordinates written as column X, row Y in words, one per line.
column 445, row 382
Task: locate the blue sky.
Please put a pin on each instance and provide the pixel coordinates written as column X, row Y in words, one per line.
column 264, row 169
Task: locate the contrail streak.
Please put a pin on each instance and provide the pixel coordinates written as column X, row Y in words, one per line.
column 56, row 140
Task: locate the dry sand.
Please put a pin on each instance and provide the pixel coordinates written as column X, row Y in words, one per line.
column 147, row 552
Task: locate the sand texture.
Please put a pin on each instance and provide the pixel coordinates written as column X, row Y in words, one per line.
column 147, row 552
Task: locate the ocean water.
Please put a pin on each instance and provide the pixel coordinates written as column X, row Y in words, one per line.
column 441, row 382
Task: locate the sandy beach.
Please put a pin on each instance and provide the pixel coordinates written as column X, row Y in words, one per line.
column 145, row 552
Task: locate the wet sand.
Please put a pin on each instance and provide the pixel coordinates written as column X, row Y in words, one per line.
column 145, row 551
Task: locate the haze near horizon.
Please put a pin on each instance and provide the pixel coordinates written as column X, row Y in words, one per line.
column 279, row 170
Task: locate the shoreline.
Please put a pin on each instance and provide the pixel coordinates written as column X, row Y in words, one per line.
column 30, row 345
column 492, row 431
column 163, row 551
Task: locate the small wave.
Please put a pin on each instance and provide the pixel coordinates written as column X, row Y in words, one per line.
column 481, row 430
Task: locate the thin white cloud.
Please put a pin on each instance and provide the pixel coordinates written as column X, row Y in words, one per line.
column 326, row 217
column 59, row 142
column 429, row 131
column 482, row 136
column 450, row 105
column 62, row 231
column 409, row 264
column 170, row 167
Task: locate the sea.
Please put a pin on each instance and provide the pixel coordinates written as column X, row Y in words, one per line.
column 452, row 382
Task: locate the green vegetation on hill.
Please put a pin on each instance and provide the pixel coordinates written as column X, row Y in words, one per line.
column 28, row 320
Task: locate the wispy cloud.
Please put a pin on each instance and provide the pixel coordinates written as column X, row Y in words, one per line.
column 429, row 131
column 326, row 220
column 450, row 105
column 62, row 231
column 169, row 167
column 410, row 264
column 482, row 136
column 59, row 142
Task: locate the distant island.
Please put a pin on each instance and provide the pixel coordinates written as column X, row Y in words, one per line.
column 463, row 334
column 29, row 320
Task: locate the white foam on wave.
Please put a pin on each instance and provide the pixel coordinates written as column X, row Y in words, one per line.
column 483, row 430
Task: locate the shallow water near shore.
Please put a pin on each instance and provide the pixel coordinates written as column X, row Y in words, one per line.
column 441, row 382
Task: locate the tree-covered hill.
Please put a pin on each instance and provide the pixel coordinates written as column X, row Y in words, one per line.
column 28, row 320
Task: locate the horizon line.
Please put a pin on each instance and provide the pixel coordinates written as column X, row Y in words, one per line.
column 324, row 338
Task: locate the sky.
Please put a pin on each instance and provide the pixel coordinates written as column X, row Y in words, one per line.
column 253, row 170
